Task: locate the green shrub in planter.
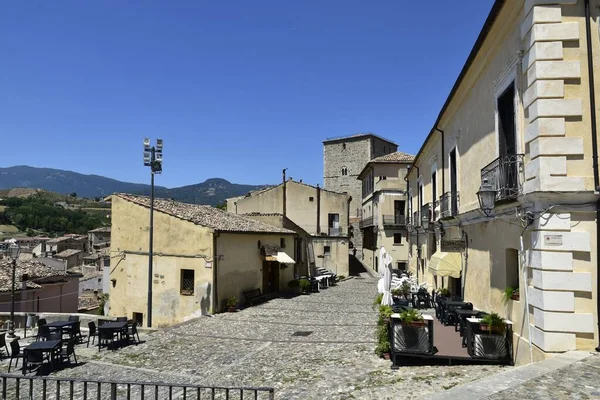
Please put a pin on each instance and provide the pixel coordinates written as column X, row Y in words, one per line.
column 411, row 316
column 405, row 289
column 377, row 301
column 396, row 292
column 444, row 292
column 493, row 323
column 304, row 285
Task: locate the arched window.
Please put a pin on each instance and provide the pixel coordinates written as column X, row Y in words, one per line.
column 344, row 171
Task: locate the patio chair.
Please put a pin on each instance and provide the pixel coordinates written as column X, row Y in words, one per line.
column 55, row 336
column 15, row 353
column 107, row 337
column 3, row 344
column 121, row 319
column 132, row 333
column 67, row 352
column 92, row 333
column 75, row 332
column 43, row 333
column 34, row 360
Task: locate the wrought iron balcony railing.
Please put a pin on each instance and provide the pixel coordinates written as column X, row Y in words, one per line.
column 449, row 204
column 366, row 222
column 505, row 174
column 394, row 220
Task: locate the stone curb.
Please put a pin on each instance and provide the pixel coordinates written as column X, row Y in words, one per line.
column 514, row 377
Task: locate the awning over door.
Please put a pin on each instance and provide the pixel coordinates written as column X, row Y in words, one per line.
column 280, row 257
column 446, row 264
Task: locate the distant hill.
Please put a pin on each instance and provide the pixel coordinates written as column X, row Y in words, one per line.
column 211, row 192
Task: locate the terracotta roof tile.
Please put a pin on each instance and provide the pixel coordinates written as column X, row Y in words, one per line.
column 207, row 216
column 395, row 157
column 33, row 269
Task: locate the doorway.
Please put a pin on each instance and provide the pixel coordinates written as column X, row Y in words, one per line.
column 270, row 277
column 507, row 143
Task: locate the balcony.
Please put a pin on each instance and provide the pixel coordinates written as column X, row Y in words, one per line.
column 505, row 174
column 449, row 204
column 394, row 220
column 366, row 222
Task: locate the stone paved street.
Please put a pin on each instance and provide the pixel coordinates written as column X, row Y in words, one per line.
column 576, row 381
column 256, row 347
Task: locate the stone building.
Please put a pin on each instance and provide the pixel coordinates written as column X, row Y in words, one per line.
column 201, row 257
column 321, row 214
column 343, row 159
column 383, row 222
column 503, row 193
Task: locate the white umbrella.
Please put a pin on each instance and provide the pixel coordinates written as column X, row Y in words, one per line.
column 386, row 276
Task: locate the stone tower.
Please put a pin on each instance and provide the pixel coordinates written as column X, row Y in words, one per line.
column 343, row 159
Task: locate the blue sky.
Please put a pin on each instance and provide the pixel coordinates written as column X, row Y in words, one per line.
column 236, row 89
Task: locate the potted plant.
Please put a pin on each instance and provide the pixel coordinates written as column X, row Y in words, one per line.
column 406, row 290
column 493, row 323
column 397, row 292
column 383, row 341
column 412, row 334
column 231, row 304
column 444, row 292
column 412, row 317
column 304, row 285
column 341, row 278
column 377, row 301
column 385, row 312
column 510, row 293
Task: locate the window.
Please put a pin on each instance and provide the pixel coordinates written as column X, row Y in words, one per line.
column 344, row 171
column 506, row 122
column 397, row 238
column 187, row 282
column 282, row 243
column 512, row 268
column 311, row 198
column 298, row 250
column 327, row 250
column 334, row 224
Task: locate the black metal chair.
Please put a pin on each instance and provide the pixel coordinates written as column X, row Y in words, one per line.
column 73, row 318
column 92, row 333
column 34, row 360
column 15, row 353
column 68, row 351
column 121, row 319
column 106, row 336
column 41, row 322
column 55, row 336
column 3, row 344
column 132, row 333
column 43, row 333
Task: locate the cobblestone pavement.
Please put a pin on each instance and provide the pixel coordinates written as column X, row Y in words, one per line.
column 576, row 381
column 257, row 347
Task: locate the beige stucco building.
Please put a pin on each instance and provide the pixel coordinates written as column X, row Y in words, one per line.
column 518, row 120
column 322, row 214
column 383, row 222
column 201, row 257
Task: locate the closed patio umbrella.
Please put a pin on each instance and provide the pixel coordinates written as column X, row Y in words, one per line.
column 386, row 276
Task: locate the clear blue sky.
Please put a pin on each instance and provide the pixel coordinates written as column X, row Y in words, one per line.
column 237, row 89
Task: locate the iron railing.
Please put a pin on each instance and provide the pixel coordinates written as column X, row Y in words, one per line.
column 505, row 174
column 43, row 387
column 366, row 222
column 489, row 345
column 449, row 204
column 394, row 220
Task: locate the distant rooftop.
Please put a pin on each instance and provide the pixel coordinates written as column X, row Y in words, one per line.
column 102, row 229
column 207, row 216
column 395, row 157
column 357, row 136
column 67, row 253
column 33, row 269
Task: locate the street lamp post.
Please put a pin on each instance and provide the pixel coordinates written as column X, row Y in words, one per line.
column 153, row 156
column 13, row 251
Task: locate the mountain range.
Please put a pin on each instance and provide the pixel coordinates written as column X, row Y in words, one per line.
column 211, row 192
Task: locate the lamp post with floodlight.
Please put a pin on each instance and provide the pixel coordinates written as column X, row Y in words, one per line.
column 153, row 157
column 13, row 252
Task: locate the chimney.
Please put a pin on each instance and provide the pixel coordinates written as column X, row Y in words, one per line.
column 318, row 209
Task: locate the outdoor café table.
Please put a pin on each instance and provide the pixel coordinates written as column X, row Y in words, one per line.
column 450, row 306
column 60, row 325
column 114, row 326
column 46, row 346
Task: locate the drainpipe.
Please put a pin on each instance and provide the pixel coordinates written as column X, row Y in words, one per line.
column 284, row 194
column 348, row 217
column 590, row 60
column 215, row 275
column 318, row 209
